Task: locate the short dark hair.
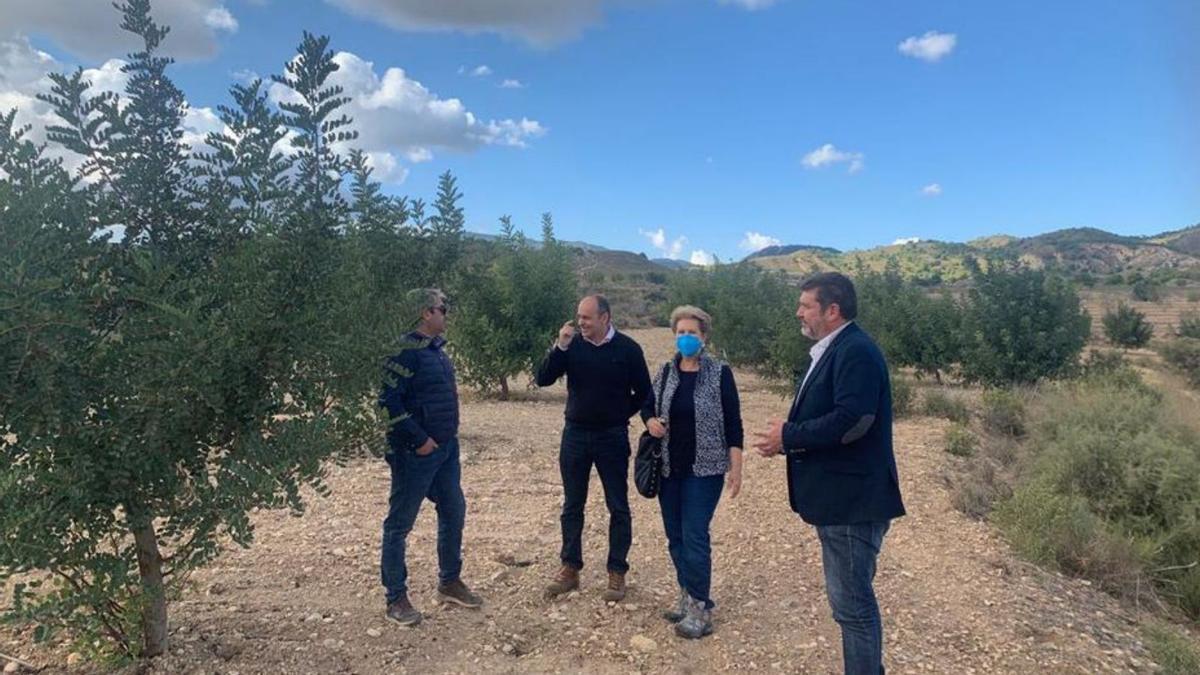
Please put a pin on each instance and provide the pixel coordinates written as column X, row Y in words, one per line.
column 834, row 288
column 601, row 303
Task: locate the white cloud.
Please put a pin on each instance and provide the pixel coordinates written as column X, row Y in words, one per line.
column 701, row 257
column 92, row 29
column 396, row 114
column 932, row 190
column 219, row 18
column 931, row 46
column 754, row 241
column 672, row 249
column 481, row 71
column 906, row 241
column 828, row 154
column 387, row 168
column 751, row 5
column 511, row 84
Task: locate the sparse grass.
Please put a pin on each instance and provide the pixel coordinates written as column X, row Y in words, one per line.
column 1003, row 412
column 1183, row 355
column 938, row 403
column 903, row 395
column 1174, row 653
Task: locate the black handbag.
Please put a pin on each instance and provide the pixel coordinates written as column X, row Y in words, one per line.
column 648, row 464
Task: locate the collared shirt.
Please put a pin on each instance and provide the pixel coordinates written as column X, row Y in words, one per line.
column 612, row 330
column 818, row 350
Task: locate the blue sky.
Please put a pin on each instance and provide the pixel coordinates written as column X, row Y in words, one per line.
column 693, row 124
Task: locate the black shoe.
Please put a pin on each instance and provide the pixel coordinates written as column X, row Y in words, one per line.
column 402, row 612
column 457, row 592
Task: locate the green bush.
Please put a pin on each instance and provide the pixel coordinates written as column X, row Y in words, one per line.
column 1184, row 355
column 960, row 442
column 1189, row 325
column 903, row 395
column 1145, row 290
column 1110, row 491
column 937, row 403
column 1003, row 412
column 1193, row 296
column 1174, row 653
column 1127, row 327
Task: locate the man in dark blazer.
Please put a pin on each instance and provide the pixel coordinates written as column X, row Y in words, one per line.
column 841, row 470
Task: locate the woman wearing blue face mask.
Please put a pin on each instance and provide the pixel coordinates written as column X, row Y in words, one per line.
column 699, row 419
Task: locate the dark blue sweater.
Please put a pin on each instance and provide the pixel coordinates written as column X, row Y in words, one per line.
column 420, row 394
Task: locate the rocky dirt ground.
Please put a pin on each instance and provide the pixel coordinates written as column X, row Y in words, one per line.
column 306, row 597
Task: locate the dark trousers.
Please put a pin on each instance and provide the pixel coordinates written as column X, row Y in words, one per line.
column 688, row 504
column 608, row 450
column 437, row 477
column 848, row 555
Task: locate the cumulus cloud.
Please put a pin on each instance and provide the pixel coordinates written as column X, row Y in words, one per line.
column 905, row 241
column 828, row 154
column 931, row 47
column 511, row 84
column 672, row 249
column 481, row 71
column 754, row 241
column 396, row 114
column 932, row 190
column 92, row 29
column 703, row 258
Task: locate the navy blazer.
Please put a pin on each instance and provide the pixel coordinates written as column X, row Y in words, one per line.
column 838, row 437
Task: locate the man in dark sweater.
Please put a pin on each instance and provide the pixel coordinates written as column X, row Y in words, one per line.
column 607, row 382
column 421, row 398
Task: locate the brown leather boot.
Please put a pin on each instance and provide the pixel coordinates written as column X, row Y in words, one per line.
column 566, row 581
column 616, row 587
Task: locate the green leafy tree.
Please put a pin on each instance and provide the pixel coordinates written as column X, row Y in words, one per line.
column 156, row 392
column 447, row 225
column 313, row 112
column 509, row 308
column 1126, row 327
column 1021, row 326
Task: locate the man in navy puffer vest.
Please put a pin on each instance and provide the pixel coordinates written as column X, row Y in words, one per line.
column 421, row 398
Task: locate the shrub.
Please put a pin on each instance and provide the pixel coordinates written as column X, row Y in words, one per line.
column 1111, row 491
column 960, row 442
column 1189, row 325
column 1174, row 653
column 1127, row 327
column 1003, row 412
column 903, row 395
column 938, row 403
column 1184, row 355
column 1193, row 296
column 1145, row 290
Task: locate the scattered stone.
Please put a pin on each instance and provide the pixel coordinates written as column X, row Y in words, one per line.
column 12, row 667
column 217, row 588
column 507, row 648
column 374, row 632
column 312, row 617
column 74, row 659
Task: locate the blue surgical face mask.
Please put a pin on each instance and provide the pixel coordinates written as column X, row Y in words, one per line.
column 688, row 345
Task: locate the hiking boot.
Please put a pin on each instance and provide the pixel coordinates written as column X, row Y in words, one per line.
column 676, row 614
column 697, row 620
column 402, row 612
column 616, row 587
column 566, row 581
column 458, row 593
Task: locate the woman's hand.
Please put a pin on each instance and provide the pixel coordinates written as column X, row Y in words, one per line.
column 733, row 479
column 656, row 428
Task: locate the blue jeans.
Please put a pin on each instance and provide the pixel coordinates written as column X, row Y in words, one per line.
column 848, row 555
column 438, row 477
column 608, row 450
column 687, row 504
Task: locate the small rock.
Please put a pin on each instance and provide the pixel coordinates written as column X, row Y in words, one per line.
column 643, row 644
column 74, row 659
column 217, row 588
column 339, row 552
column 374, row 632
column 312, row 617
column 12, row 667
column 507, row 648
column 330, row 643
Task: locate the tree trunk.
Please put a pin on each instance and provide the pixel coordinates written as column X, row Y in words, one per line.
column 154, row 597
column 503, row 388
